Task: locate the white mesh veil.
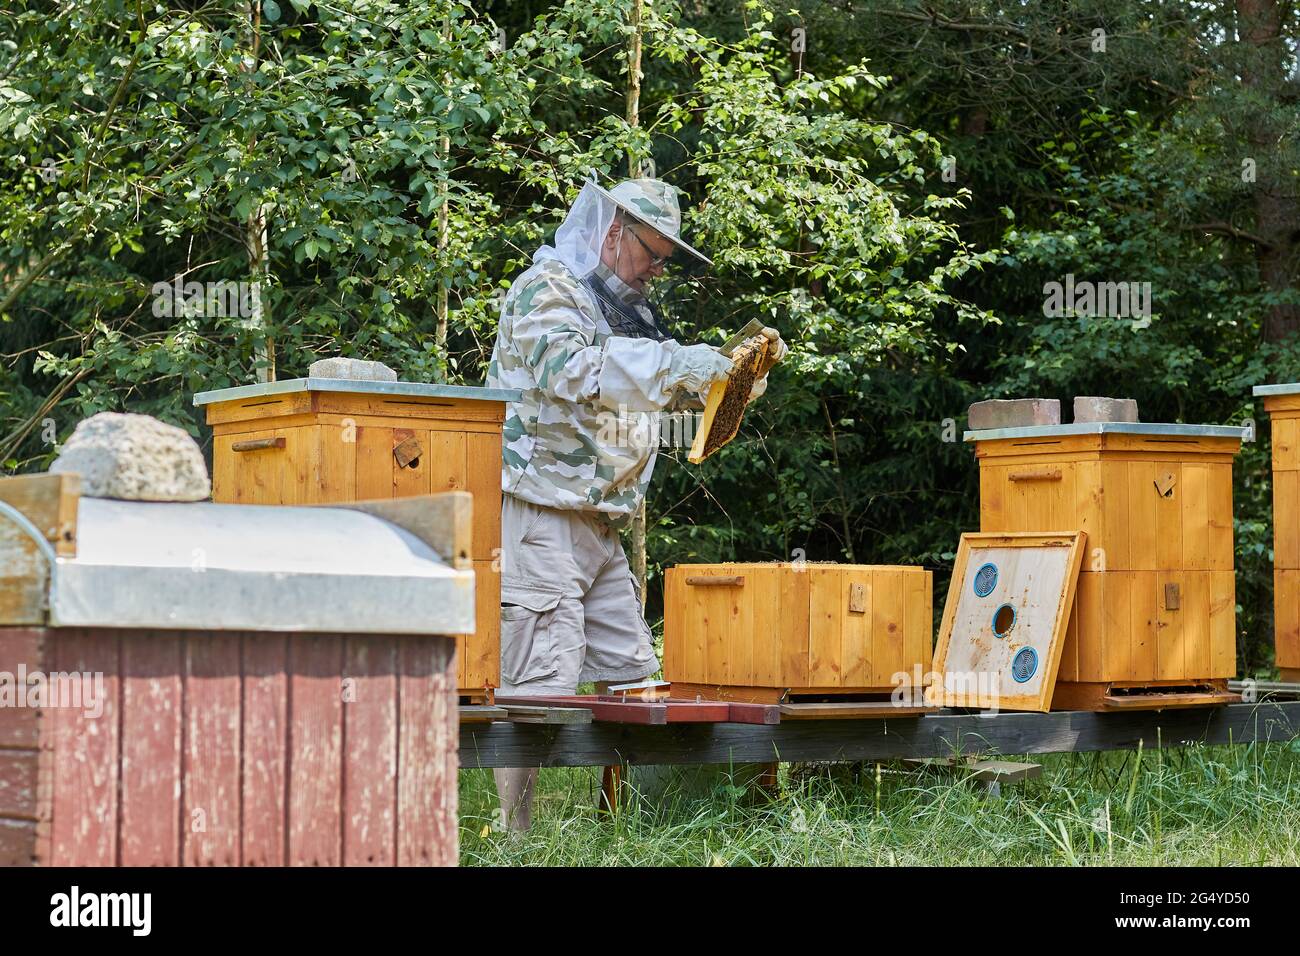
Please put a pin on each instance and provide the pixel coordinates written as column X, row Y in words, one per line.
column 580, row 236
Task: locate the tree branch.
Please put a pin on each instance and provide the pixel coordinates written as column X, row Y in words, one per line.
column 33, row 274
column 1228, row 229
column 938, row 20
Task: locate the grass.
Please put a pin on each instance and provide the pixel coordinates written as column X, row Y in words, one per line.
column 1184, row 806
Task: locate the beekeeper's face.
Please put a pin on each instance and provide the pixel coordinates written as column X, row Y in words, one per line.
column 635, row 252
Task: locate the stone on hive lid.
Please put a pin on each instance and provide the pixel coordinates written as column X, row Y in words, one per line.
column 1013, row 413
column 1094, row 408
column 339, row 367
column 135, row 458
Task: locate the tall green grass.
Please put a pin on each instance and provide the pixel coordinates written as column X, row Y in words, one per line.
column 1190, row 805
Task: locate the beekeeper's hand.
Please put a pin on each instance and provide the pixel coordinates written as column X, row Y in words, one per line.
column 778, row 349
column 696, row 367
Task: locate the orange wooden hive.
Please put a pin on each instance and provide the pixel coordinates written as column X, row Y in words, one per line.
column 780, row 632
column 1282, row 402
column 310, row 441
column 1155, row 608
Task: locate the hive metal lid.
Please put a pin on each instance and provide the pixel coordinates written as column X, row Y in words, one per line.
column 205, row 566
column 1286, row 388
column 1108, row 428
column 410, row 389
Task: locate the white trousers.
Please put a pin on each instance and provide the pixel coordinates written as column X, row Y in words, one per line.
column 570, row 611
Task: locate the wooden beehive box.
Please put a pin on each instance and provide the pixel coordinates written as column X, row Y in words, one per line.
column 279, row 708
column 1155, row 606
column 1282, row 402
column 318, row 441
column 772, row 632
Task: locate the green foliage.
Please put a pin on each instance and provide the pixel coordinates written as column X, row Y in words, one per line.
column 351, row 129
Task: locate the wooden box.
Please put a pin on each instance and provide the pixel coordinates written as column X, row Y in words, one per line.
column 309, row 441
column 1282, row 402
column 1155, row 605
column 773, row 632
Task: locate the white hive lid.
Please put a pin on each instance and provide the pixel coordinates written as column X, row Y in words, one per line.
column 210, row 566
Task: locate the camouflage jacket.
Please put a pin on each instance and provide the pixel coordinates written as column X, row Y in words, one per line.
column 584, row 435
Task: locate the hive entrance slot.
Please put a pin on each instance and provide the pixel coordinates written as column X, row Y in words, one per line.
column 850, row 697
column 1161, row 689
column 1004, row 618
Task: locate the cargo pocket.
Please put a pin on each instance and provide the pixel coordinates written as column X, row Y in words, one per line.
column 528, row 647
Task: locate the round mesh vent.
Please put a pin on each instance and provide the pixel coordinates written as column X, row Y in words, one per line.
column 986, row 579
column 1024, row 664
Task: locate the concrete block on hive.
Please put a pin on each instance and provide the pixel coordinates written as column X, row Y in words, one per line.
column 1094, row 408
column 134, row 458
column 356, row 369
column 1013, row 413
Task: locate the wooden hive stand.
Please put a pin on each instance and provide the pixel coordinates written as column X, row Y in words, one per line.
column 325, row 441
column 821, row 640
column 1153, row 622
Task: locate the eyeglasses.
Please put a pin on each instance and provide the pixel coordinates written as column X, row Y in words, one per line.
column 656, row 262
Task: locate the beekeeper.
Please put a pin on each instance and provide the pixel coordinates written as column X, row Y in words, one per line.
column 596, row 365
